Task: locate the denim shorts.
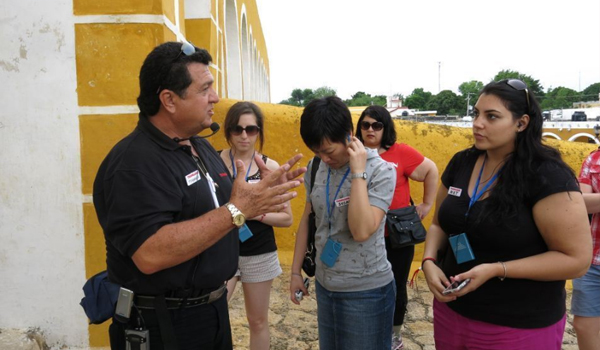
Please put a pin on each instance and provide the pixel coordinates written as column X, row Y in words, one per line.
column 586, row 294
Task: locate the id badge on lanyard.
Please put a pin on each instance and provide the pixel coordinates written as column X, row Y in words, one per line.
column 332, row 249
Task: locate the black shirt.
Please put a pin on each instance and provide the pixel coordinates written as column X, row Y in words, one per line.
column 263, row 235
column 148, row 181
column 518, row 303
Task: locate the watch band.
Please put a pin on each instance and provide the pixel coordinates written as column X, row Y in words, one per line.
column 362, row 175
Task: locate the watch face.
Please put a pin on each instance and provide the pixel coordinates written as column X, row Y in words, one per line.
column 239, row 220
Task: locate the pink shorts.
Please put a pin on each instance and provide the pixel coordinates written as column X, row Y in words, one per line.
column 452, row 331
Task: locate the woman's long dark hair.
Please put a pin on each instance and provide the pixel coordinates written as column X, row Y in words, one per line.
column 382, row 115
column 514, row 184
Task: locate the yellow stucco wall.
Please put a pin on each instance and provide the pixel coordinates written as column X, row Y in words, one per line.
column 128, row 7
column 109, row 57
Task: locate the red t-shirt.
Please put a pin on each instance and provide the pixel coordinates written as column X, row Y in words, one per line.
column 405, row 159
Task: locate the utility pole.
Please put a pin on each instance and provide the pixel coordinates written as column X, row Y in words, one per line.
column 468, row 99
column 439, row 77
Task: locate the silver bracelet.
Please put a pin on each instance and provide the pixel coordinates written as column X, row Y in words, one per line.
column 504, row 267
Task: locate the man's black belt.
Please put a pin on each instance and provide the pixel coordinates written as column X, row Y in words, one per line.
column 147, row 302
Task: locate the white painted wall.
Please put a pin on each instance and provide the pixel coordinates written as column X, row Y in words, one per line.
column 41, row 230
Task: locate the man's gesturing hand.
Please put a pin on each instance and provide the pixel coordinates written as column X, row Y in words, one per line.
column 272, row 193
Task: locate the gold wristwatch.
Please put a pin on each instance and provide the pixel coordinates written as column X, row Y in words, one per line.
column 237, row 217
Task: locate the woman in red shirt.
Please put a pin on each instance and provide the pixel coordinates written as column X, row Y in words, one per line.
column 377, row 132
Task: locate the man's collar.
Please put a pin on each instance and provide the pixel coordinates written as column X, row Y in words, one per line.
column 156, row 135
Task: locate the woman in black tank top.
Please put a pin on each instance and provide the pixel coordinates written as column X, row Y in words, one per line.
column 258, row 264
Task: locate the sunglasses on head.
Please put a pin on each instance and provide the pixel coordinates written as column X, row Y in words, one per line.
column 519, row 86
column 250, row 130
column 186, row 49
column 375, row 125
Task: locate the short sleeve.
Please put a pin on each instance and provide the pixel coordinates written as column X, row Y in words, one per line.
column 450, row 171
column 552, row 178
column 381, row 185
column 411, row 158
column 590, row 166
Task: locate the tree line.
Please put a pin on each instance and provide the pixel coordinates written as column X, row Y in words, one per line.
column 447, row 102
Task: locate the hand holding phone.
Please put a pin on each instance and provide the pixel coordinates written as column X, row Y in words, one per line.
column 455, row 286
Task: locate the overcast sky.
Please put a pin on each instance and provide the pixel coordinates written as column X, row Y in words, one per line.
column 394, row 46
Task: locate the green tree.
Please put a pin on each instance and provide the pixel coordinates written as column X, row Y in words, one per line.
column 533, row 84
column 301, row 97
column 591, row 92
column 446, row 102
column 470, row 92
column 560, row 97
column 324, row 91
column 363, row 99
column 417, row 99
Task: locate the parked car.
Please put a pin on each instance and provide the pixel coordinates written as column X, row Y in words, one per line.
column 579, row 116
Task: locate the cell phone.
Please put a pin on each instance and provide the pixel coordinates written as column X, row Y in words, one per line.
column 299, row 293
column 124, row 303
column 455, row 286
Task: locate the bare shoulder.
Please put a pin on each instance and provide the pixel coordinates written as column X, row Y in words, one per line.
column 271, row 164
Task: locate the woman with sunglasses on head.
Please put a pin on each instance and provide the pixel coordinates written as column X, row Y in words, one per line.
column 258, row 262
column 377, row 132
column 510, row 226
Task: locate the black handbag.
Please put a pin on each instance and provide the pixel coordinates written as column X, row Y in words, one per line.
column 309, row 264
column 404, row 227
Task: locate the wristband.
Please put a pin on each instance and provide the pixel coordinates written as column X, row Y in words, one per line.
column 504, row 267
column 296, row 274
column 262, row 217
column 428, row 259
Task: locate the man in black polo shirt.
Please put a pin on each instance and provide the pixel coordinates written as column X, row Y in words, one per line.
column 170, row 212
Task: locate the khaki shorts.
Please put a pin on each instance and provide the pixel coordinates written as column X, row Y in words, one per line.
column 259, row 268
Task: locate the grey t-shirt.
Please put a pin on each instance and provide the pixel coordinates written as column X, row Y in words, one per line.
column 360, row 265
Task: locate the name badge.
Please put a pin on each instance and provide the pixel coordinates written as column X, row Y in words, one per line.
column 245, row 233
column 192, row 177
column 461, row 248
column 342, row 202
column 331, row 252
column 454, row 191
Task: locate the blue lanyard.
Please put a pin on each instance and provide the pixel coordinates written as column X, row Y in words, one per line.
column 330, row 206
column 477, row 195
column 234, row 167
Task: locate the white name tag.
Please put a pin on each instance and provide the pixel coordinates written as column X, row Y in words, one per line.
column 192, row 177
column 342, row 202
column 454, row 191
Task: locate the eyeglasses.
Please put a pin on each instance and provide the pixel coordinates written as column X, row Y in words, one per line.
column 186, row 49
column 519, row 86
column 375, row 125
column 251, row 130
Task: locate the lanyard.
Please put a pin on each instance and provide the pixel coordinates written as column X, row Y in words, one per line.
column 234, row 167
column 330, row 206
column 477, row 195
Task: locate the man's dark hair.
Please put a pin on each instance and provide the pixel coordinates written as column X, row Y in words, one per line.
column 380, row 114
column 325, row 118
column 166, row 68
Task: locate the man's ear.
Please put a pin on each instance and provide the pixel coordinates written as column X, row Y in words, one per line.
column 167, row 99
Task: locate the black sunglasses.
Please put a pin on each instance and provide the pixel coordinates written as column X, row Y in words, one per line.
column 186, row 49
column 520, row 86
column 375, row 125
column 250, row 130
